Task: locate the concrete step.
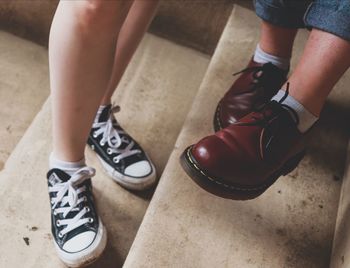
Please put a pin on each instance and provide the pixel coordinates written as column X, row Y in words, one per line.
column 24, row 86
column 291, row 225
column 155, row 96
column 341, row 244
column 197, row 24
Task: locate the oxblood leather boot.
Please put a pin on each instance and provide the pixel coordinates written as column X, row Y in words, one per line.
column 244, row 159
column 256, row 85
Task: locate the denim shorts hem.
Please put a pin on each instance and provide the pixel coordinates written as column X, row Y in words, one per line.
column 279, row 16
column 336, row 22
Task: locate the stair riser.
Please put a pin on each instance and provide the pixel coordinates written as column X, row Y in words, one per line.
column 196, row 24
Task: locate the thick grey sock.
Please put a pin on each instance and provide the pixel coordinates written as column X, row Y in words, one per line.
column 68, row 167
column 261, row 56
column 306, row 119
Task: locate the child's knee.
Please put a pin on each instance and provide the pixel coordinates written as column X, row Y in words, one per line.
column 98, row 13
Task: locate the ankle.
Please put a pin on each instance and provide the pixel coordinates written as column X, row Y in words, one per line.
column 260, row 56
column 106, row 102
column 306, row 118
column 68, row 166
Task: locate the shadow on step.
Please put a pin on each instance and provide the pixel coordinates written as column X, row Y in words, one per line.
column 341, row 243
column 327, row 147
column 109, row 258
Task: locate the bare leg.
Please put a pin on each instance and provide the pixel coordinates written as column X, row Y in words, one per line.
column 82, row 46
column 325, row 59
column 276, row 40
column 140, row 15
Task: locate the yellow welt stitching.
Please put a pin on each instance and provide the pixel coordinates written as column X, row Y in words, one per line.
column 217, row 115
column 218, row 182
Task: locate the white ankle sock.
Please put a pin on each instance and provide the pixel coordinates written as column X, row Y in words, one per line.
column 99, row 111
column 68, row 167
column 261, row 56
column 306, row 119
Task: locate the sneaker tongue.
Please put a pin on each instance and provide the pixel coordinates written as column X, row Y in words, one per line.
column 105, row 113
column 56, row 175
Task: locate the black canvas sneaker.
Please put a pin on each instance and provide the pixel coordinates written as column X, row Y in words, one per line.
column 78, row 232
column 121, row 156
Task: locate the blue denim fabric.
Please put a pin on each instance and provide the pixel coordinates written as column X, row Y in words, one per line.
column 331, row 16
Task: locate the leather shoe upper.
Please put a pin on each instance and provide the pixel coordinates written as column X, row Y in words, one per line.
column 250, row 151
column 255, row 86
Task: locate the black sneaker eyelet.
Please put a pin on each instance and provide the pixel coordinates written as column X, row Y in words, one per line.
column 109, row 151
column 60, row 235
column 55, row 212
column 91, row 220
column 58, row 223
column 87, row 209
column 116, row 160
column 94, row 135
column 102, row 143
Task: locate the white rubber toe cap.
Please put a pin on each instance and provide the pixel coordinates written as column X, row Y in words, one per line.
column 139, row 169
column 79, row 242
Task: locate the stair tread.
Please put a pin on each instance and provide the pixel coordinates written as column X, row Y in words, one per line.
column 24, row 87
column 291, row 225
column 341, row 244
column 151, row 95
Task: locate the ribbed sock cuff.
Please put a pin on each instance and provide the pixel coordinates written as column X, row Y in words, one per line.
column 306, row 118
column 68, row 167
column 262, row 57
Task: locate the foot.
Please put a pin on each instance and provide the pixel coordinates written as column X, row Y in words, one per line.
column 256, row 85
column 121, row 156
column 78, row 232
column 244, row 159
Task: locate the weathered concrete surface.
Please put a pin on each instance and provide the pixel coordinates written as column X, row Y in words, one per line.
column 291, row 225
column 197, row 24
column 157, row 92
column 24, row 86
column 341, row 243
column 155, row 97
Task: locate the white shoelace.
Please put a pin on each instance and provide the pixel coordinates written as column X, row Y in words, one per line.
column 72, row 199
column 112, row 136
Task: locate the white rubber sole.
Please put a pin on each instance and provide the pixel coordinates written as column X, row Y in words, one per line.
column 127, row 182
column 88, row 255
